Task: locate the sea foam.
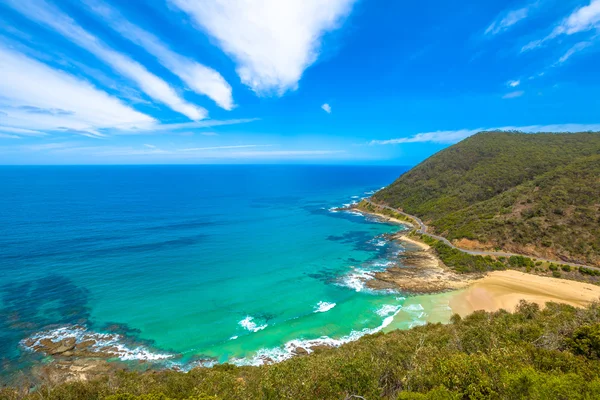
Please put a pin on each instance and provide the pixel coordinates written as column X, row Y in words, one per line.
column 387, row 310
column 107, row 343
column 291, row 348
column 249, row 324
column 323, row 306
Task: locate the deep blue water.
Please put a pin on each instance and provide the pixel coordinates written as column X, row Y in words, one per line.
column 220, row 262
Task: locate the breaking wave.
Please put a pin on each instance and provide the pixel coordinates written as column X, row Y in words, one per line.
column 111, row 344
column 249, row 324
column 324, row 306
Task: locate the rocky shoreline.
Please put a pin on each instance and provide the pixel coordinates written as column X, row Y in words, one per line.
column 77, row 354
column 417, row 271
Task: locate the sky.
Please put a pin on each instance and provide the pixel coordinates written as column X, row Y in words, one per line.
column 287, row 81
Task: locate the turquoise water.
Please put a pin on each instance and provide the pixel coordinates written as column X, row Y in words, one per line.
column 188, row 264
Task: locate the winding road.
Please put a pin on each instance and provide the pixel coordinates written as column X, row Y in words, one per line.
column 423, row 230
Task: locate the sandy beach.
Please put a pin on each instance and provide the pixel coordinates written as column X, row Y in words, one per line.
column 504, row 289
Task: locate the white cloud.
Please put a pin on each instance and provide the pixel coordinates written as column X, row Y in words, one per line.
column 573, row 50
column 327, row 108
column 450, row 137
column 506, row 20
column 272, row 41
column 6, row 136
column 445, row 137
column 287, row 153
column 513, row 95
column 184, row 125
column 514, row 83
column 242, row 146
column 582, row 19
column 153, row 86
column 199, row 78
column 59, row 149
column 209, row 133
column 35, row 98
column 19, row 131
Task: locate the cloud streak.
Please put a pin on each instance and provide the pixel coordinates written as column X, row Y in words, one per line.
column 272, row 41
column 451, row 137
column 513, row 95
column 582, row 19
column 29, row 105
column 242, row 146
column 199, row 78
column 156, row 88
column 507, row 19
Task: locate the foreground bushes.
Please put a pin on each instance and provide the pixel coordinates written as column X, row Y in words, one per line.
column 533, row 354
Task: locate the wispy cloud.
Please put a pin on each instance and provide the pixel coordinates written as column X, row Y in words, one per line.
column 29, row 105
column 50, row 16
column 198, row 77
column 450, row 137
column 514, row 83
column 234, row 152
column 513, row 95
column 209, row 123
column 582, row 19
column 7, row 136
column 327, row 108
column 242, row 146
column 574, row 50
column 444, row 137
column 272, row 41
column 509, row 18
column 19, row 131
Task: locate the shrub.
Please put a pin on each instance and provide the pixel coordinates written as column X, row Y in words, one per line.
column 586, row 341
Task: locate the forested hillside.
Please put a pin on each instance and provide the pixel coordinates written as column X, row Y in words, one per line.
column 536, row 194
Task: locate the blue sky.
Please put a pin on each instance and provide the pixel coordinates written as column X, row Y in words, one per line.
column 294, row 81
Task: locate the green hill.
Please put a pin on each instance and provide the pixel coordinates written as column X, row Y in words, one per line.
column 536, row 194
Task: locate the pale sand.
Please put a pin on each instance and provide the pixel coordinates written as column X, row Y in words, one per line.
column 504, row 289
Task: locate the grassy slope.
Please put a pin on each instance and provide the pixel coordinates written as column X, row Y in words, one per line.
column 550, row 354
column 537, row 194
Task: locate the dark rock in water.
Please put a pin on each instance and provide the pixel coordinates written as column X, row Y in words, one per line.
column 62, row 346
column 49, row 347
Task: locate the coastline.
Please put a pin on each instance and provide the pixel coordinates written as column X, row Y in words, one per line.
column 463, row 295
column 435, row 293
column 421, row 271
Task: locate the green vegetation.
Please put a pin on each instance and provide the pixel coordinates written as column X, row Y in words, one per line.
column 460, row 261
column 535, row 354
column 537, row 194
column 465, row 263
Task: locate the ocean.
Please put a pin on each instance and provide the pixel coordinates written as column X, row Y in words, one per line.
column 194, row 265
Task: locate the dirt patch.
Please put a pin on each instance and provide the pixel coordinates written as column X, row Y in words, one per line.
column 469, row 244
